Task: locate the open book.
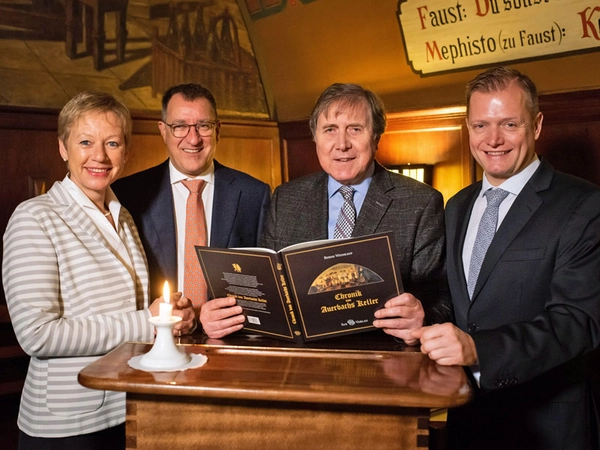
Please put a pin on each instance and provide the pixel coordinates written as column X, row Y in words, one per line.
column 308, row 291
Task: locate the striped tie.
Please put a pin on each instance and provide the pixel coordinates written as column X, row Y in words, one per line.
column 347, row 217
column 194, row 285
column 485, row 234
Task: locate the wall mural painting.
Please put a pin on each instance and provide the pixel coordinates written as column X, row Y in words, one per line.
column 264, row 8
column 135, row 49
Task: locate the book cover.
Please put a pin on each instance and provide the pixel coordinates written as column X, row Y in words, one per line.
column 309, row 291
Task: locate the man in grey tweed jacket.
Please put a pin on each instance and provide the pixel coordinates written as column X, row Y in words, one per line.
column 347, row 123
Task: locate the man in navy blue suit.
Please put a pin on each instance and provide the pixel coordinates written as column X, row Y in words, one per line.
column 234, row 202
column 528, row 324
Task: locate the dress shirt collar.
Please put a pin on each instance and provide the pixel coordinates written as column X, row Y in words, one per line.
column 176, row 176
column 515, row 184
column 361, row 188
column 82, row 200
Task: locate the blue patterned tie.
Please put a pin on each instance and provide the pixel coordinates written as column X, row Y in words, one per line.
column 485, row 234
column 347, row 217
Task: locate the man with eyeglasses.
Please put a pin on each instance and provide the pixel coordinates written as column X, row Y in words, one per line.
column 234, row 203
column 527, row 303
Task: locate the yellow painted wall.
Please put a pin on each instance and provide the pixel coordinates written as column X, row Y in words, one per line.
column 306, row 47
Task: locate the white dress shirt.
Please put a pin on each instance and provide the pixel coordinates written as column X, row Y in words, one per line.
column 514, row 185
column 336, row 201
column 180, row 195
column 115, row 237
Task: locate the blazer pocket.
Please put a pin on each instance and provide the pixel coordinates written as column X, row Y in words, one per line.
column 65, row 396
column 530, row 254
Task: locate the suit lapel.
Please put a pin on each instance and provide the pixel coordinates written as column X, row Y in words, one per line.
column 376, row 203
column 525, row 205
column 160, row 225
column 315, row 225
column 456, row 236
column 77, row 215
column 225, row 206
column 85, row 225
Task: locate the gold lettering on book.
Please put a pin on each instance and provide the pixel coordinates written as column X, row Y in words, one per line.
column 288, row 300
column 328, row 309
column 367, row 302
column 349, row 305
column 349, row 295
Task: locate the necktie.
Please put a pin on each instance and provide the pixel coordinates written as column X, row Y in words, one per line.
column 194, row 285
column 485, row 234
column 347, row 217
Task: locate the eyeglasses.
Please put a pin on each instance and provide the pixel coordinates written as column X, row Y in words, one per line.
column 181, row 130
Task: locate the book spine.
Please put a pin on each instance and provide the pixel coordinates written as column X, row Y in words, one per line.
column 293, row 317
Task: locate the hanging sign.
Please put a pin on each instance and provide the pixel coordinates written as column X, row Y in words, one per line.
column 445, row 35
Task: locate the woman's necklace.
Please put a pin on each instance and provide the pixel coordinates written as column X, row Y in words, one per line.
column 106, row 214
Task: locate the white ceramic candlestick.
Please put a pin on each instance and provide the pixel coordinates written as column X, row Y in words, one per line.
column 164, row 354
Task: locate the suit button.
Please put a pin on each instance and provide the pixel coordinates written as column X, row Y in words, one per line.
column 506, row 382
column 472, row 327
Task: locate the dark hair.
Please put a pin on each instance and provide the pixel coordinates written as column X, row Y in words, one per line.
column 499, row 78
column 350, row 95
column 190, row 92
column 87, row 101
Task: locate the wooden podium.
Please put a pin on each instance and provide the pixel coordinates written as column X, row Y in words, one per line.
column 257, row 397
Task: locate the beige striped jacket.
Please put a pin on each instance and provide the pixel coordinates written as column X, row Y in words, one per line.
column 70, row 300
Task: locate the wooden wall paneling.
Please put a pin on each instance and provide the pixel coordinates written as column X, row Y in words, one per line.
column 252, row 147
column 570, row 137
column 436, row 137
column 29, row 151
column 573, row 148
column 300, row 156
column 570, row 140
column 432, row 136
column 147, row 150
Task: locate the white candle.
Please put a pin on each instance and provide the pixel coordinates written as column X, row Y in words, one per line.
column 165, row 308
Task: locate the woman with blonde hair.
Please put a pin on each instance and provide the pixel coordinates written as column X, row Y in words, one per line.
column 76, row 283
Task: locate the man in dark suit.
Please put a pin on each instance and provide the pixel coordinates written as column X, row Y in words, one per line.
column 235, row 203
column 529, row 329
column 347, row 123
